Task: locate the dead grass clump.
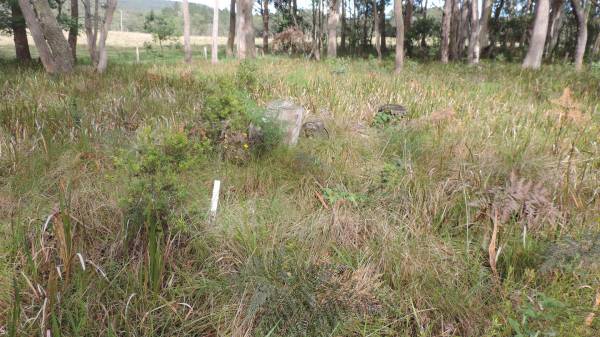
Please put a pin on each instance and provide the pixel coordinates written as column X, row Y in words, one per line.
column 566, row 108
column 347, row 228
column 7, row 205
column 291, row 40
column 442, row 115
column 522, row 200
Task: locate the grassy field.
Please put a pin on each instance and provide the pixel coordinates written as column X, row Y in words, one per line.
column 476, row 215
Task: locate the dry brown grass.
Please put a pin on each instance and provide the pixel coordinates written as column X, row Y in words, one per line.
column 127, row 39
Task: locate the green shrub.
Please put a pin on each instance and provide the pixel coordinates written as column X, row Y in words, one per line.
column 155, row 192
column 245, row 76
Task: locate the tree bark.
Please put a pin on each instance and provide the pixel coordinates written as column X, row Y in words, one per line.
column 214, row 52
column 556, row 22
column 49, row 39
column 446, row 24
column 74, row 29
column 265, row 17
column 332, row 24
column 399, row 62
column 295, row 12
column 315, row 31
column 464, row 26
column 245, row 29
column 382, row 25
column 424, row 9
column 474, row 36
column 343, row 28
column 484, row 22
column 232, row 29
column 533, row 59
column 377, row 25
column 408, row 14
column 455, row 30
column 91, row 29
column 365, row 38
column 111, row 5
column 581, row 10
column 20, row 34
column 187, row 45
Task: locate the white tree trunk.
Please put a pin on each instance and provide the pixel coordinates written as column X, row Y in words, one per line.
column 187, row 45
column 332, row 24
column 399, row 62
column 533, row 59
column 214, row 52
column 555, row 23
column 377, row 28
column 474, row 37
column 245, row 29
column 446, row 24
column 581, row 10
column 108, row 17
column 484, row 22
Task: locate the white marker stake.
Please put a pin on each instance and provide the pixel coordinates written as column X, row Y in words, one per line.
column 205, row 53
column 137, row 54
column 214, row 203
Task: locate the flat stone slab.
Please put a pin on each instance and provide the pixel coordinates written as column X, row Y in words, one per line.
column 289, row 116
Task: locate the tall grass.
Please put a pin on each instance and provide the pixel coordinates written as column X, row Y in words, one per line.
column 375, row 231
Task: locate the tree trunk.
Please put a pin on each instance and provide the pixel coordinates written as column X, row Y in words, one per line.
column 91, row 29
column 49, row 39
column 365, row 38
column 399, row 62
column 265, row 17
column 214, row 51
column 20, row 34
column 484, row 22
column 424, row 8
column 446, row 24
column 316, row 50
column 231, row 35
column 74, row 29
column 455, row 30
column 332, row 23
column 464, row 27
column 377, row 26
column 111, row 5
column 295, row 12
column 556, row 22
column 187, row 45
column 533, row 59
column 245, row 29
column 382, row 25
column 343, row 29
column 408, row 14
column 581, row 13
column 474, row 37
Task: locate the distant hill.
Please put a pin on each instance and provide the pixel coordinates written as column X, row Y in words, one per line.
column 144, row 5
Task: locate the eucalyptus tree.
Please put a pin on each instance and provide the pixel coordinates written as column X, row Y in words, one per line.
column 533, row 59
column 333, row 19
column 51, row 44
column 187, row 45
